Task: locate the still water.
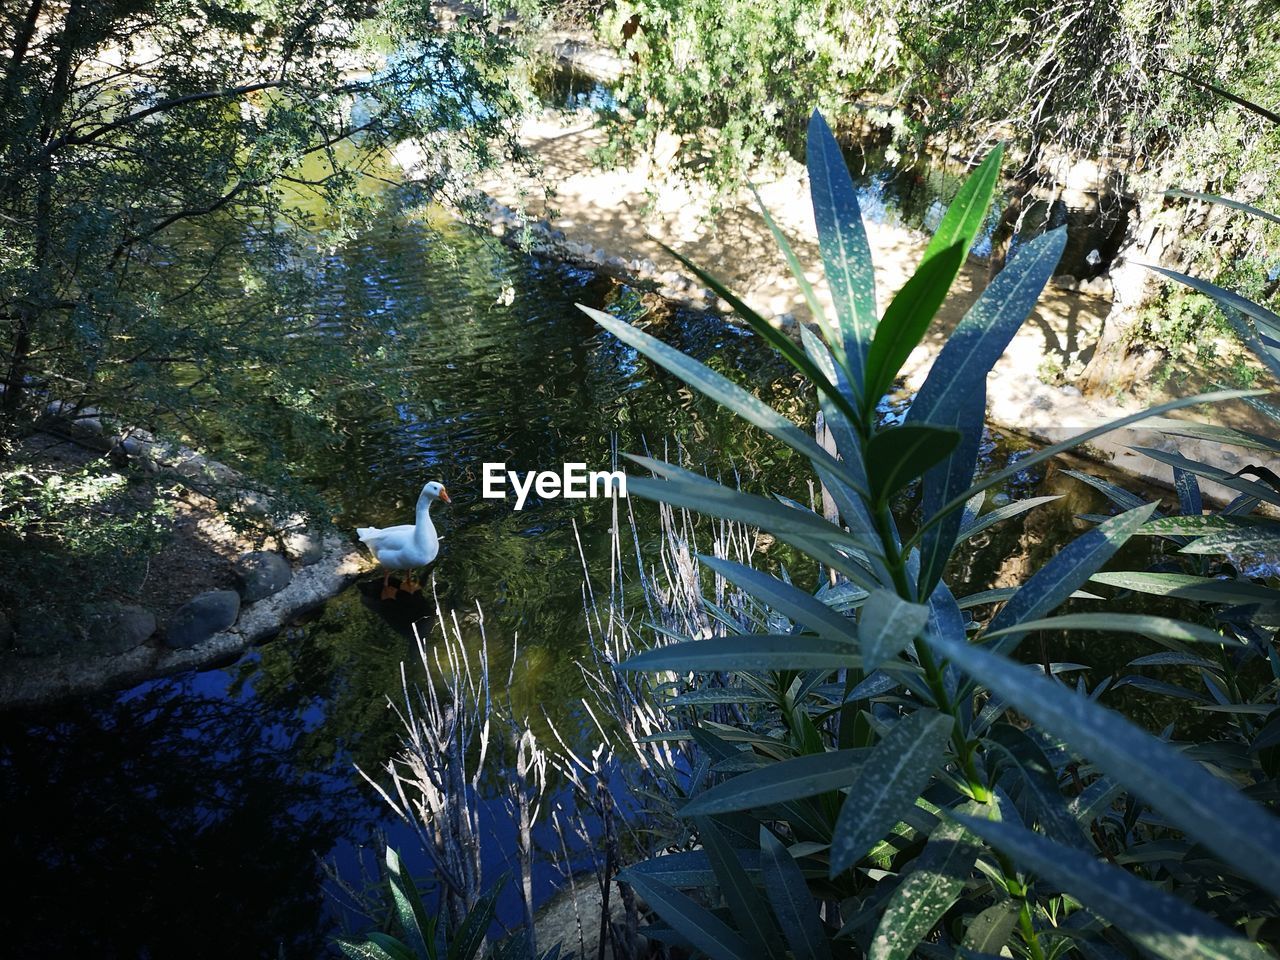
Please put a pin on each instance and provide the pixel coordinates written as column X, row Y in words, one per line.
column 195, row 815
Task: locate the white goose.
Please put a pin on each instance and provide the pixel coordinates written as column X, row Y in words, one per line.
column 408, row 546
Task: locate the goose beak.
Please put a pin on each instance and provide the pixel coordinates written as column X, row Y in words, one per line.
column 444, row 495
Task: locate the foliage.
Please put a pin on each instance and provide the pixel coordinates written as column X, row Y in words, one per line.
column 174, row 175
column 1096, row 79
column 93, row 527
column 895, row 783
column 423, row 937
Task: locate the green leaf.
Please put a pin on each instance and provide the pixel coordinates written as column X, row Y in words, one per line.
column 391, row 945
column 748, row 908
column 791, row 602
column 713, row 695
column 793, row 779
column 1156, row 920
column 1262, row 491
column 955, row 391
column 1070, row 567
column 898, row 455
column 1224, row 297
column 1225, row 202
column 1259, row 539
column 1048, row 453
column 1205, row 807
column 474, row 928
column 368, row 950
column 990, row 930
column 696, row 924
column 1214, row 433
column 719, row 388
column 999, row 514
column 408, row 905
column 795, row 909
column 1185, row 586
column 1196, row 526
column 842, row 240
column 933, row 884
column 968, row 210
column 750, row 652
column 907, row 319
column 887, row 784
column 1146, row 625
column 767, row 331
column 688, row 869
column 887, row 625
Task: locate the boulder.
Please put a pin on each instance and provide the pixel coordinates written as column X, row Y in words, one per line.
column 260, row 574
column 118, row 627
column 202, row 617
column 303, row 545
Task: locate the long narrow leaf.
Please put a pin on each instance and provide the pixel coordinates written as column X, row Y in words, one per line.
column 696, row 924
column 1158, row 921
column 1146, row 625
column 771, row 334
column 933, row 884
column 719, row 388
column 793, row 779
column 749, row 910
column 796, row 910
column 907, row 319
column 1241, row 832
column 888, row 782
column 842, row 241
column 790, row 601
column 1070, row 568
column 1048, row 453
column 752, row 652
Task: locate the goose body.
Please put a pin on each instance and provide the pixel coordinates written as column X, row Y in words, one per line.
column 410, row 545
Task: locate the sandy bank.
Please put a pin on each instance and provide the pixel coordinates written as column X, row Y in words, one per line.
column 597, row 214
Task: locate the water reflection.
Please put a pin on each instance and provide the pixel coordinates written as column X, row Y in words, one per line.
column 172, row 820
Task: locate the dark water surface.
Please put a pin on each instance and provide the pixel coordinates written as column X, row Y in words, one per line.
column 190, row 816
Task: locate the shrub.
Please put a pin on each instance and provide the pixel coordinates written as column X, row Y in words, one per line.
column 897, row 783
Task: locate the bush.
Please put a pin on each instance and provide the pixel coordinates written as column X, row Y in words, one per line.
column 895, row 782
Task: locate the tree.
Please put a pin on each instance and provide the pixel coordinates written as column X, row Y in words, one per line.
column 155, row 156
column 1111, row 82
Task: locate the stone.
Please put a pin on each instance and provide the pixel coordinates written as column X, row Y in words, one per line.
column 303, row 545
column 41, row 633
column 201, row 617
column 260, row 574
column 118, row 627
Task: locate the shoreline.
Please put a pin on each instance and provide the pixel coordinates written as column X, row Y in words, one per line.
column 607, row 220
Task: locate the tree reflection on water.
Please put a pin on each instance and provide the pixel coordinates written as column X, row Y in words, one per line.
column 168, row 820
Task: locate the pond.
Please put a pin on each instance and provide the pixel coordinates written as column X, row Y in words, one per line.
column 195, row 814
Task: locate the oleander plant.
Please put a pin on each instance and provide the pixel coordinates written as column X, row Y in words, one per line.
column 880, row 775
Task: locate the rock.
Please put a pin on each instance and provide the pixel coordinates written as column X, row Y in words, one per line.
column 1065, row 281
column 41, row 633
column 118, row 627
column 304, row 545
column 1098, row 287
column 202, row 617
column 6, row 631
column 260, row 574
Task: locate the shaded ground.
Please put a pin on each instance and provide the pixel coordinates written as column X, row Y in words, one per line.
column 184, row 546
